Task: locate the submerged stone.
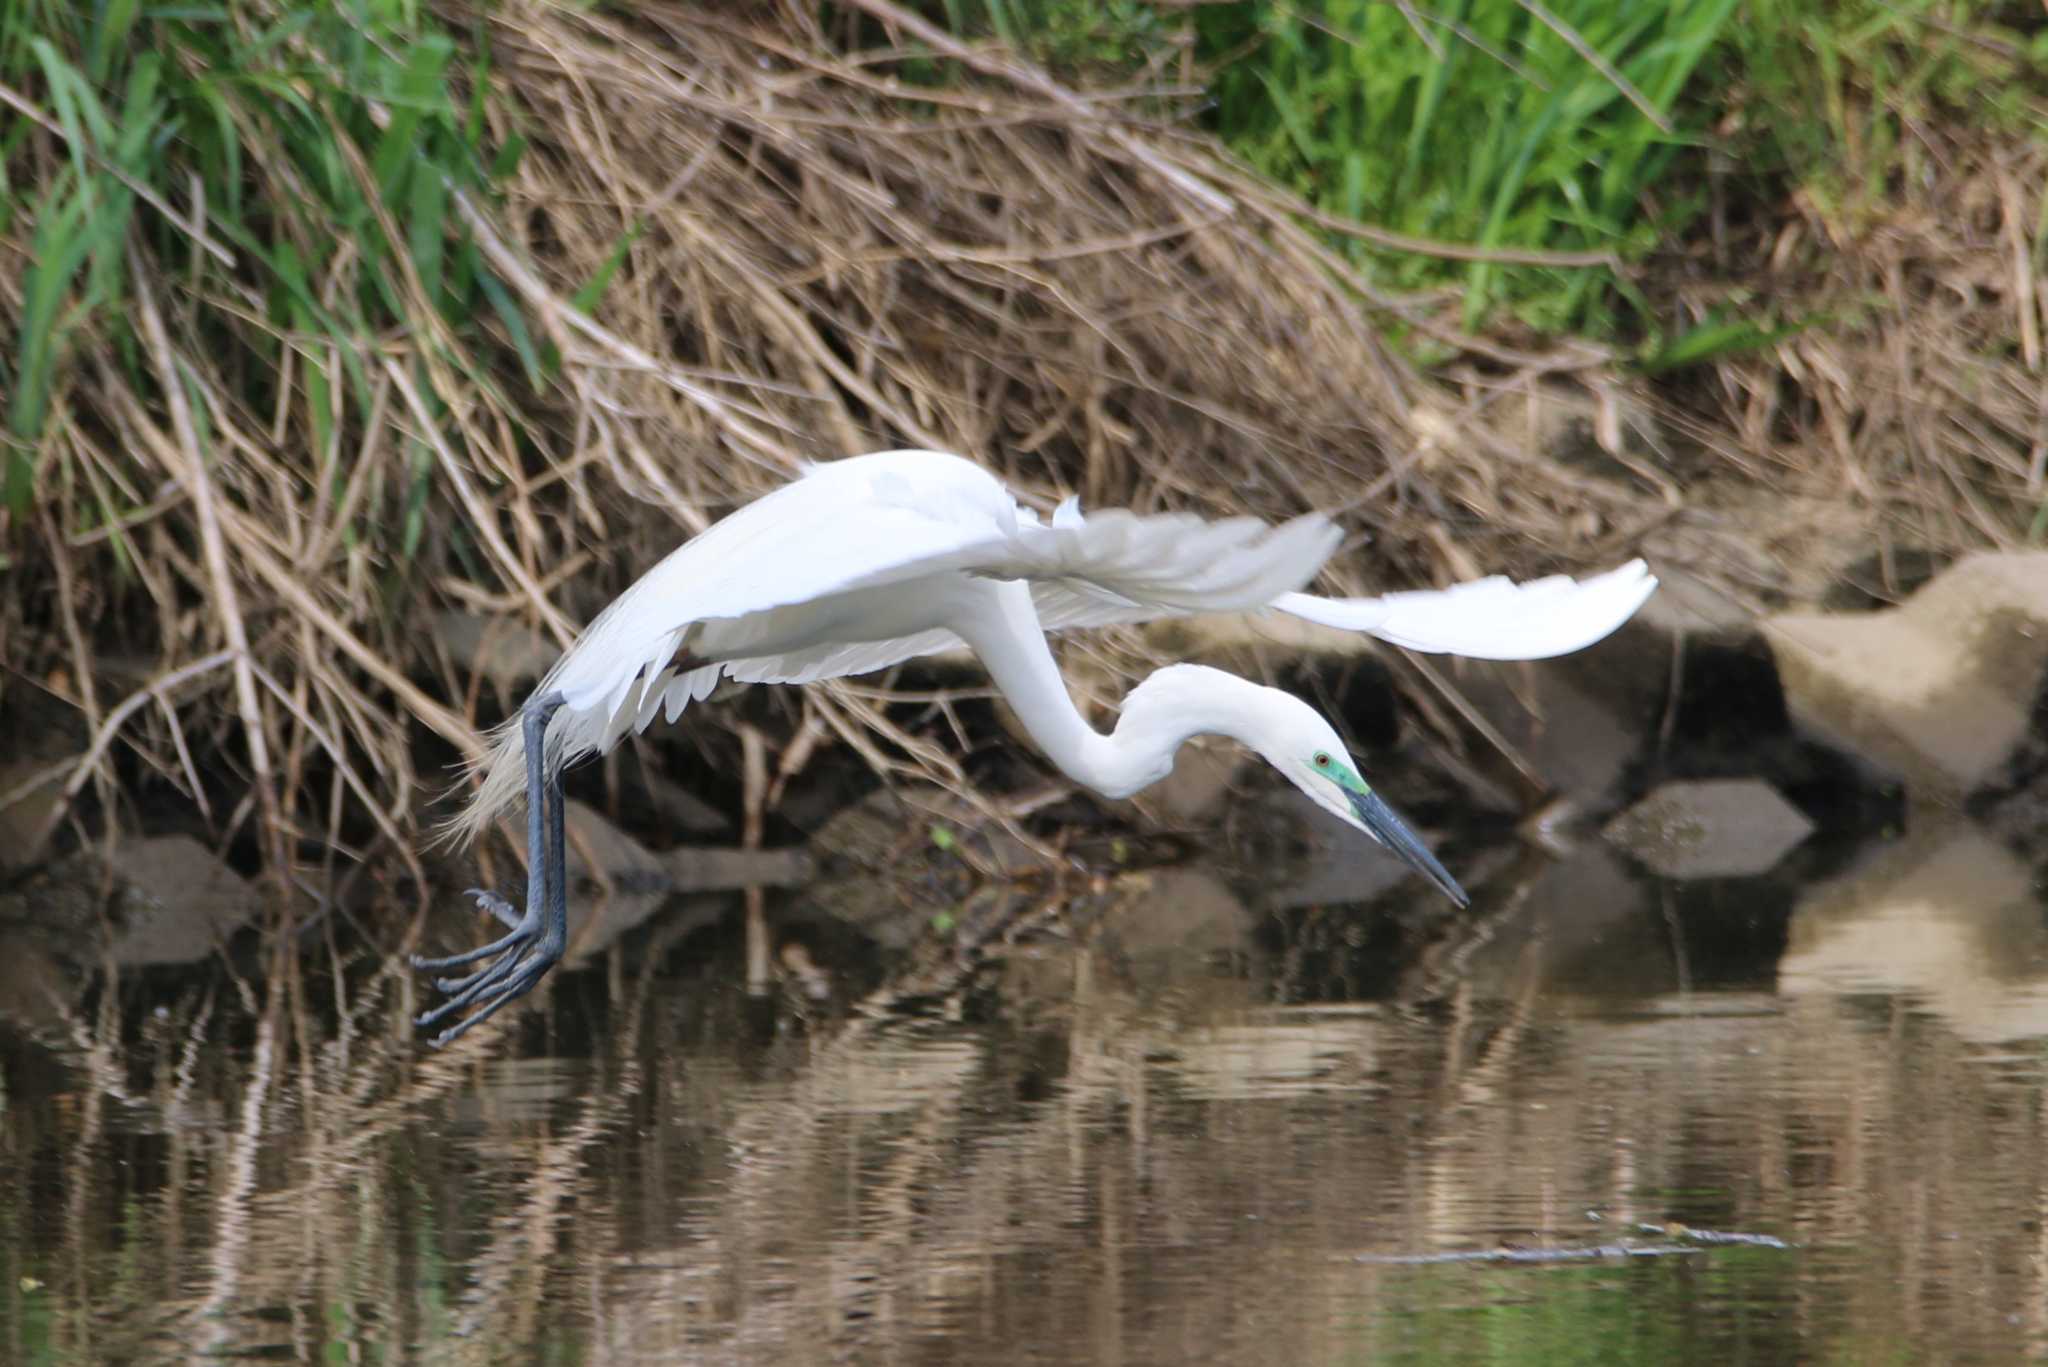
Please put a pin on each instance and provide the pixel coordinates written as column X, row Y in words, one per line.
column 23, row 822
column 599, row 852
column 506, row 653
column 1711, row 828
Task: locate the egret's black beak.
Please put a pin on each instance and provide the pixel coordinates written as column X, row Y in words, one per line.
column 1385, row 825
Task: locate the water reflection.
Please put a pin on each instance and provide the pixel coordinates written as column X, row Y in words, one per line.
column 1175, row 1117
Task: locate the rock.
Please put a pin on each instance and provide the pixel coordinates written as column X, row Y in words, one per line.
column 1938, row 691
column 1579, row 738
column 1711, row 828
column 22, row 824
column 171, row 900
column 45, row 738
column 642, row 882
column 901, row 832
column 685, row 808
column 1685, row 605
column 36, row 988
column 617, row 858
column 1170, row 924
column 1195, row 792
column 502, row 650
column 1338, row 864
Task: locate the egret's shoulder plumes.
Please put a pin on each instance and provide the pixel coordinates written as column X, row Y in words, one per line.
column 865, row 562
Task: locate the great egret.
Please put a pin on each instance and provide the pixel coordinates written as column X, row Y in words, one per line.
column 871, row 560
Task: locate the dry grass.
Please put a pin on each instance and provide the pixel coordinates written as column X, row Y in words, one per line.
column 737, row 241
column 800, row 255
column 1912, row 404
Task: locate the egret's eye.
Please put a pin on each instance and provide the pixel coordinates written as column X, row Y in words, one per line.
column 1322, row 759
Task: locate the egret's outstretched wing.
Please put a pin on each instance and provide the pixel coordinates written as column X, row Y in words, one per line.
column 868, row 522
column 1117, row 562
column 1487, row 619
column 1493, row 618
column 860, row 523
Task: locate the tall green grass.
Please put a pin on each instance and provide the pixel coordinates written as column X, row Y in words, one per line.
column 288, row 166
column 1850, row 99
column 1069, row 35
column 1475, row 121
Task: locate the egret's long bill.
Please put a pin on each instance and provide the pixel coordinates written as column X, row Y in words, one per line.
column 1385, row 825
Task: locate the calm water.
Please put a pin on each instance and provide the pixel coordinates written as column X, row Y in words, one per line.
column 1164, row 1119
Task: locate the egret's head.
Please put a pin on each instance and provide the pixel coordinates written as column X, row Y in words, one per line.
column 1298, row 742
column 1187, row 700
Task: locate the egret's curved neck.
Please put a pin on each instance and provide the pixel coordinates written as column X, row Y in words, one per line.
column 1002, row 627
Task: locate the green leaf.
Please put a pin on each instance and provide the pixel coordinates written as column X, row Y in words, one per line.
column 515, row 324
column 1714, row 339
column 585, row 299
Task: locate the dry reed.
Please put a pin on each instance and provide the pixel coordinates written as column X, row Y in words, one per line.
column 739, row 240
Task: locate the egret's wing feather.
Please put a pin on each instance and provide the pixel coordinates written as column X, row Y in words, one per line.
column 836, row 662
column 1124, row 566
column 864, row 522
column 1071, row 604
column 1493, row 618
column 1487, row 619
column 852, row 524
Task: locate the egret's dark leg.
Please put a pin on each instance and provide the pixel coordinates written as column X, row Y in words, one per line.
column 558, row 870
column 540, row 933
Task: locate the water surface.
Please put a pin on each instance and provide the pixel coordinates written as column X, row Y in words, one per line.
column 1177, row 1117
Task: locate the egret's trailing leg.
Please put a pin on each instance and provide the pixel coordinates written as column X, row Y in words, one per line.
column 538, row 936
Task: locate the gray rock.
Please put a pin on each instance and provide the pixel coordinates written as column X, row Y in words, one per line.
column 1947, row 917
column 1578, row 724
column 642, row 882
column 1938, row 691
column 1713, row 828
column 600, row 852
column 1197, row 789
column 902, row 832
column 503, row 650
column 173, row 901
column 1175, row 922
column 23, row 822
column 1339, row 865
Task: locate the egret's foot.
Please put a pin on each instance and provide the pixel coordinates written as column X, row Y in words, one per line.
column 497, row 906
column 523, row 958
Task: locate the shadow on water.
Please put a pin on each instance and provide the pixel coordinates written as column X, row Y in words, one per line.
column 1177, row 1116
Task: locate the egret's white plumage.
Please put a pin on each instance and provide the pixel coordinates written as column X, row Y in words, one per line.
column 859, row 565
column 865, row 562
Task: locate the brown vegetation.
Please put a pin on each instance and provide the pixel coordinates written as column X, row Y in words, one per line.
column 805, row 255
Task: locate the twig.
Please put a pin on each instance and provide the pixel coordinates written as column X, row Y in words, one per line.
column 213, row 546
column 480, row 517
column 104, row 736
column 139, row 189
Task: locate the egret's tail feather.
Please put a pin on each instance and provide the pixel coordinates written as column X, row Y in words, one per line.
column 499, row 779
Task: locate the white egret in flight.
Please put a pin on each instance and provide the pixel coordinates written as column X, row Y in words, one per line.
column 868, row 561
